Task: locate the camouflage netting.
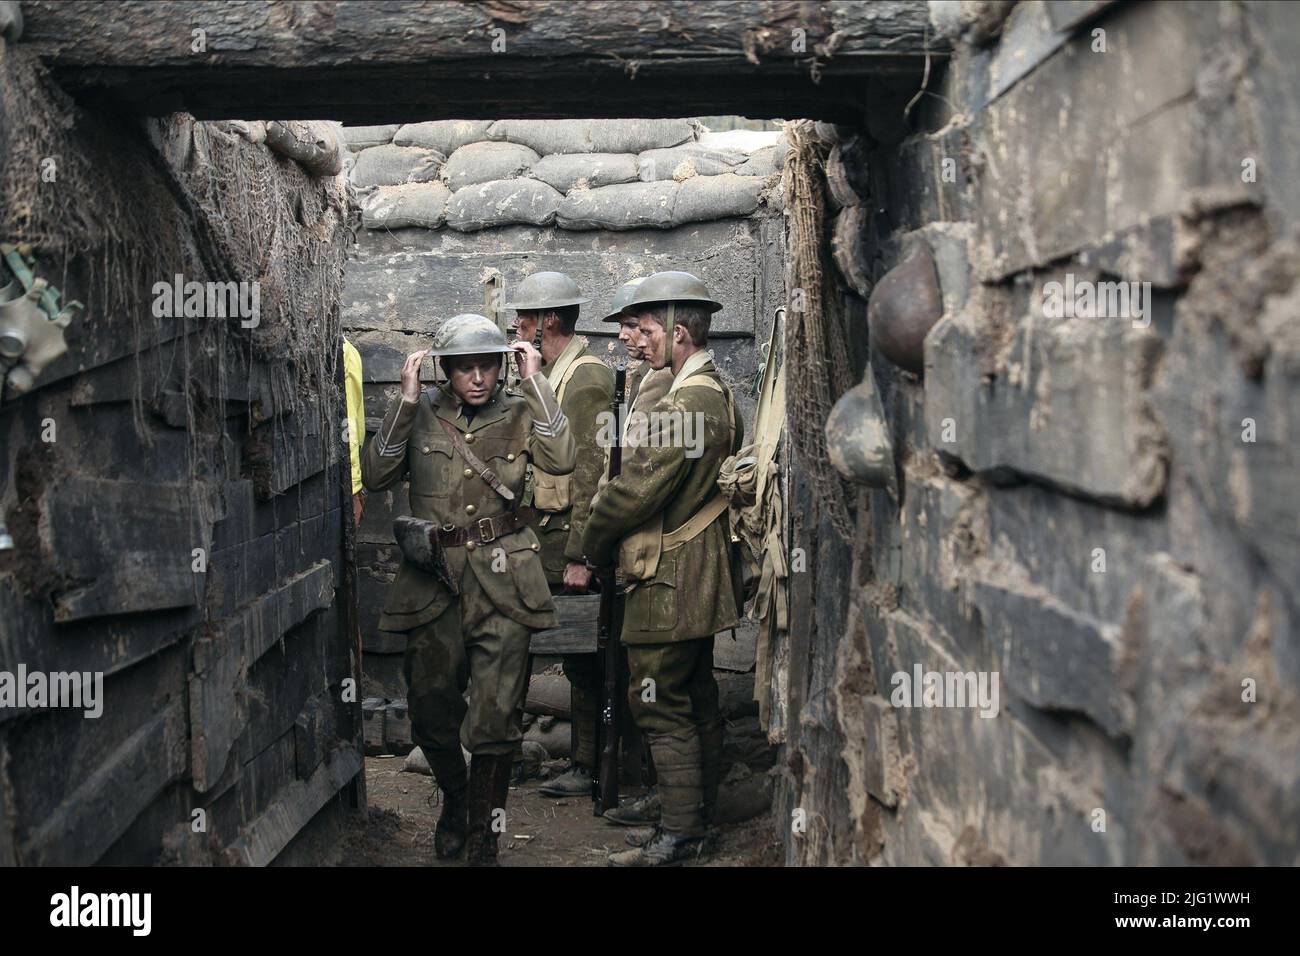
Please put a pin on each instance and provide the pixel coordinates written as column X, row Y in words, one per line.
column 816, row 343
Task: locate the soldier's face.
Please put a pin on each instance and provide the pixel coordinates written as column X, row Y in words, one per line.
column 630, row 336
column 474, row 377
column 653, row 338
column 526, row 324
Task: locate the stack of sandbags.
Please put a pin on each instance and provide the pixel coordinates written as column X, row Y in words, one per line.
column 469, row 175
column 594, row 135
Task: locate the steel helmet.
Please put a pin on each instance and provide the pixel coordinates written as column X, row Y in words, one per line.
column 468, row 334
column 621, row 298
column 546, row 290
column 673, row 287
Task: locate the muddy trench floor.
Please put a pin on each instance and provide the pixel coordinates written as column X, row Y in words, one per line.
column 397, row 829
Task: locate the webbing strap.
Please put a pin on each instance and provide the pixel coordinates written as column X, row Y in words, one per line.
column 484, row 472
column 696, row 523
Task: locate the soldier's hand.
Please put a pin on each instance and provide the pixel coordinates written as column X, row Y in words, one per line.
column 411, row 376
column 530, row 360
column 577, row 576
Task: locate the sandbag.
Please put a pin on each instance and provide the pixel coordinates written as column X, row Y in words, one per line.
column 358, row 138
column 765, row 162
column 529, row 760
column 396, row 165
column 848, row 180
column 316, row 146
column 565, row 171
column 850, row 248
column 705, row 198
column 417, row 762
column 502, row 202
column 748, row 141
column 399, row 207
column 484, row 162
column 594, row 136
column 619, row 207
column 446, row 136
column 683, row 162
column 557, row 738
column 549, row 695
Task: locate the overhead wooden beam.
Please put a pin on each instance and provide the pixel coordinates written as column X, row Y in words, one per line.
column 381, row 61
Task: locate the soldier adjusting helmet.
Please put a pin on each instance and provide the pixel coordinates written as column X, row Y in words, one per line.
column 546, row 290
column 468, row 334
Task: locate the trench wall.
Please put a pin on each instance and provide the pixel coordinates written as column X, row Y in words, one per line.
column 174, row 488
column 1102, row 512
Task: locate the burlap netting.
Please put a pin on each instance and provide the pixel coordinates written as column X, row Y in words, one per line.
column 816, row 342
column 135, row 202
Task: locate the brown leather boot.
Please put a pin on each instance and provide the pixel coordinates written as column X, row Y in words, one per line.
column 489, row 786
column 449, row 771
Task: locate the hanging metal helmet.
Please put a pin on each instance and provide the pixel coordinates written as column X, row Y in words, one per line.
column 621, row 298
column 468, row 334
column 673, row 287
column 546, row 290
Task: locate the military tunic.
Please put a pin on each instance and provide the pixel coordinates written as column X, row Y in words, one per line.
column 588, row 391
column 479, row 638
column 670, row 618
column 691, row 593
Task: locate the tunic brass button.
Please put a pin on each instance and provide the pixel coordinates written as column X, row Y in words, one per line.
column 566, row 526
column 469, row 472
column 470, row 509
column 510, row 457
column 469, row 438
column 425, row 449
column 469, row 545
column 535, row 547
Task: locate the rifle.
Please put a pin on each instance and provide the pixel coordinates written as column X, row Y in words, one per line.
column 604, row 782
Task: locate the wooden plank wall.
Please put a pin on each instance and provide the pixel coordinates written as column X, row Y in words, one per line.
column 224, row 730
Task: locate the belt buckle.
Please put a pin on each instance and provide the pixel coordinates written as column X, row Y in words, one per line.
column 487, row 536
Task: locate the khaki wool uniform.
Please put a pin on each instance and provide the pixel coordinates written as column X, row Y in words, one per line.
column 670, row 617
column 585, row 388
column 479, row 638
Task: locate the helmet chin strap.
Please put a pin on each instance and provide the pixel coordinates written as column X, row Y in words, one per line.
column 537, row 336
column 668, row 331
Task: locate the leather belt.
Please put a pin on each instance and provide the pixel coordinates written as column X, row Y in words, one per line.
column 485, row 530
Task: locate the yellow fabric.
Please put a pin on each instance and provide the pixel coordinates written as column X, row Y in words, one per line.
column 356, row 409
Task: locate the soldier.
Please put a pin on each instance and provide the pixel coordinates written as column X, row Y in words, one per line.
column 645, row 386
column 465, row 445
column 686, row 583
column 549, row 303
